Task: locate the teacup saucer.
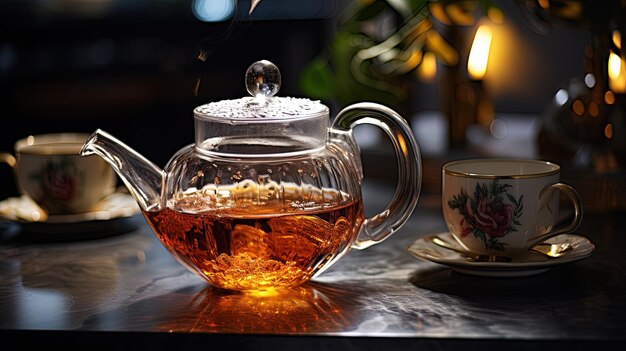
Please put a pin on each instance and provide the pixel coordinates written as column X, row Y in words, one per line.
column 110, row 217
column 530, row 264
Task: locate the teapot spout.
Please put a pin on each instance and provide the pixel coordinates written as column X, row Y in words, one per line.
column 144, row 180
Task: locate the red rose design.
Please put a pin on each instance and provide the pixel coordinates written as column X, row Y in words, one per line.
column 466, row 228
column 59, row 185
column 492, row 216
column 486, row 215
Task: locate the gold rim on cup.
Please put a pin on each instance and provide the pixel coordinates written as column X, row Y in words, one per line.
column 555, row 168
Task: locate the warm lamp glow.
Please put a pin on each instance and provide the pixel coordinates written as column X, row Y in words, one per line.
column 427, row 70
column 545, row 4
column 609, row 97
column 614, row 66
column 495, row 15
column 608, row 131
column 617, row 74
column 479, row 53
column 578, row 107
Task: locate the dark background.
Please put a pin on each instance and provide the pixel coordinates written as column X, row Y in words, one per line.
column 133, row 67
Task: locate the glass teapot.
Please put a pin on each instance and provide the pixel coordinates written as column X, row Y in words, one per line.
column 269, row 195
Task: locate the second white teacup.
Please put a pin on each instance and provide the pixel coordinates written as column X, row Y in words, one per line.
column 49, row 169
column 504, row 206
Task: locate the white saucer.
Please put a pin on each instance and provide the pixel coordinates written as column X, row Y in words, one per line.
column 531, row 264
column 109, row 218
column 24, row 210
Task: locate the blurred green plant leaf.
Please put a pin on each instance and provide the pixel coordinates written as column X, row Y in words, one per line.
column 316, row 79
column 359, row 66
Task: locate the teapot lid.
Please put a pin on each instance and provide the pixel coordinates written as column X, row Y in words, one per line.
column 263, row 80
column 290, row 123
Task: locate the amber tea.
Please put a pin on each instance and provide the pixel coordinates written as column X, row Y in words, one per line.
column 252, row 246
column 269, row 192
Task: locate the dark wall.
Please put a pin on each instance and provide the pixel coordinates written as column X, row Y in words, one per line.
column 137, row 73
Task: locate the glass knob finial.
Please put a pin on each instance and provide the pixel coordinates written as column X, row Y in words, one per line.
column 263, row 79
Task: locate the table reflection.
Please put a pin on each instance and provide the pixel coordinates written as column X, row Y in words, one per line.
column 129, row 286
column 309, row 308
column 47, row 285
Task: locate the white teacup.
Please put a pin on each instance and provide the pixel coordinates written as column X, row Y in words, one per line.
column 49, row 169
column 504, row 206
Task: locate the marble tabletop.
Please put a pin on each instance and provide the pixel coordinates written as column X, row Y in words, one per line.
column 126, row 290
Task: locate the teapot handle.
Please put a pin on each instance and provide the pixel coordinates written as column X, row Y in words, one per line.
column 8, row 158
column 380, row 226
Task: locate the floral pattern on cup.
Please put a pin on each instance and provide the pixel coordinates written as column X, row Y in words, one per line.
column 60, row 182
column 489, row 214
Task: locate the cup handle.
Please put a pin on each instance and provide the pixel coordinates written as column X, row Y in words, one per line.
column 380, row 226
column 7, row 158
column 578, row 213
